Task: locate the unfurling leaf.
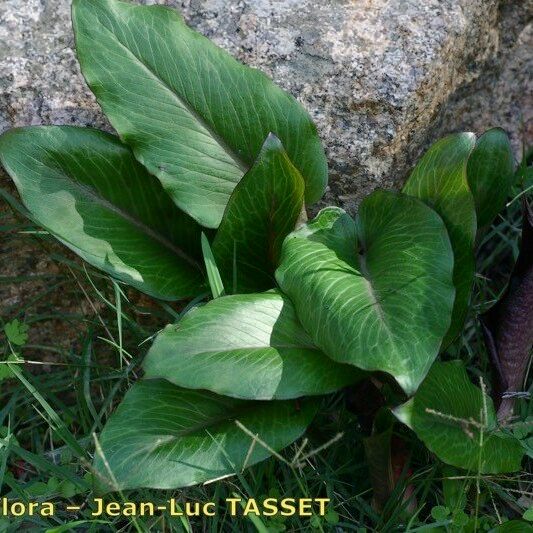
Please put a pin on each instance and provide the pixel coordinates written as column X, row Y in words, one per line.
column 440, row 180
column 245, row 346
column 376, row 293
column 457, row 422
column 261, row 212
column 193, row 115
column 88, row 190
column 165, row 437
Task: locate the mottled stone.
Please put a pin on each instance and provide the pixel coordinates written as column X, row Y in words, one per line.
column 381, row 78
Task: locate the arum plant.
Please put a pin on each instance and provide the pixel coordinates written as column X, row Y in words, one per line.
column 508, row 325
column 214, row 162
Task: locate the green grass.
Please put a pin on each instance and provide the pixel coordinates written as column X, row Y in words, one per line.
column 87, row 338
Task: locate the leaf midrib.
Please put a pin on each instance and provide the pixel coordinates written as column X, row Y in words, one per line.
column 255, row 348
column 211, row 422
column 363, row 267
column 239, row 162
column 90, row 193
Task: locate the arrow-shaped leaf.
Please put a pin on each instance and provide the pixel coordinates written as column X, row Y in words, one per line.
column 378, row 292
column 194, row 116
column 88, row 190
column 245, row 346
column 165, row 437
column 458, row 423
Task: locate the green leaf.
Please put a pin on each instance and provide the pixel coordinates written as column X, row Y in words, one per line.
column 332, row 517
column 378, row 292
column 88, row 190
column 5, row 371
column 460, row 518
column 72, row 526
column 245, row 346
column 453, row 419
column 261, row 212
column 454, row 488
column 490, row 174
column 67, row 489
column 194, row 116
column 440, row 513
column 17, row 332
column 440, row 180
column 213, row 274
column 513, row 526
column 165, row 437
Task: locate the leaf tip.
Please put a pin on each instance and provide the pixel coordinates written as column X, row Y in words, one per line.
column 272, row 142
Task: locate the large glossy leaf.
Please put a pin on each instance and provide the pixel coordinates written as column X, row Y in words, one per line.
column 192, row 114
column 453, row 419
column 490, row 173
column 378, row 292
column 88, row 190
column 439, row 179
column 261, row 212
column 245, row 346
column 164, row 437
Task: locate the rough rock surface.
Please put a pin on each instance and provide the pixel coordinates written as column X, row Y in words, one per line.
column 381, row 78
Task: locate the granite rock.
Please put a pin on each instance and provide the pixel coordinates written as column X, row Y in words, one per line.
column 381, row 78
